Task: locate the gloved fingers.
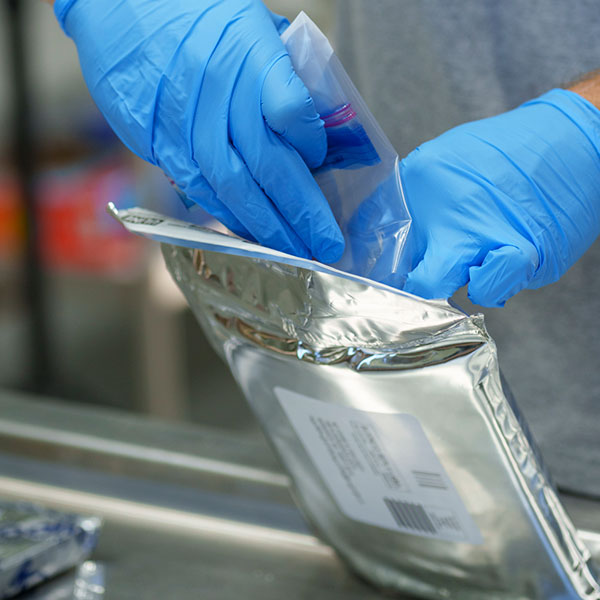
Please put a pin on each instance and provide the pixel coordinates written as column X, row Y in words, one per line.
column 504, row 272
column 236, row 188
column 283, row 175
column 440, row 273
column 199, row 191
column 290, row 112
column 281, row 23
column 212, row 129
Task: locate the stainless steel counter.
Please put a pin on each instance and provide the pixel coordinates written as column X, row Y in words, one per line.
column 189, row 512
column 147, row 561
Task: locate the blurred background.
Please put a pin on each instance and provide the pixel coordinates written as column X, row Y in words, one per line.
column 88, row 312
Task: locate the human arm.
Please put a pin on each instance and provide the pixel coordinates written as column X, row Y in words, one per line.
column 588, row 87
column 205, row 90
column 506, row 203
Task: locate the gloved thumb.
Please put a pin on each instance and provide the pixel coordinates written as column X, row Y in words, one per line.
column 504, row 272
column 290, row 112
column 439, row 274
column 281, row 23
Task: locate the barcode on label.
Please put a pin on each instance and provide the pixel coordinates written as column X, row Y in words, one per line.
column 410, row 516
column 426, row 479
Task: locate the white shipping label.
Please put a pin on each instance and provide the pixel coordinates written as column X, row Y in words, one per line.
column 380, row 468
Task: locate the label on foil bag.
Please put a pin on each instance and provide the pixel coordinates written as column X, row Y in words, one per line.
column 380, row 469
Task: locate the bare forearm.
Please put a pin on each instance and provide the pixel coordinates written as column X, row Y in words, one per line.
column 588, row 87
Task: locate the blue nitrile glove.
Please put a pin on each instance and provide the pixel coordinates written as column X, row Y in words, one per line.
column 505, row 203
column 205, row 90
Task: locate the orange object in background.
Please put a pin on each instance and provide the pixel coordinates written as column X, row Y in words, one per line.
column 12, row 225
column 76, row 233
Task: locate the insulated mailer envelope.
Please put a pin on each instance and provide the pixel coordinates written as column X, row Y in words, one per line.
column 406, row 452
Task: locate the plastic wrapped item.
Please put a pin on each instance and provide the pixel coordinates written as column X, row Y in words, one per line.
column 406, row 451
column 37, row 543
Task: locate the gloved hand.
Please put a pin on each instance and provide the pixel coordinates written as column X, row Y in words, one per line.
column 505, row 203
column 205, row 90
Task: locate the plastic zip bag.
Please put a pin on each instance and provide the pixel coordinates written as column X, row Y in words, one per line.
column 360, row 175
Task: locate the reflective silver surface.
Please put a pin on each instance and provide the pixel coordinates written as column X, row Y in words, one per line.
column 350, row 344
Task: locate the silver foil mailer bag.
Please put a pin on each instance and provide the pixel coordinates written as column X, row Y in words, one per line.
column 405, row 450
